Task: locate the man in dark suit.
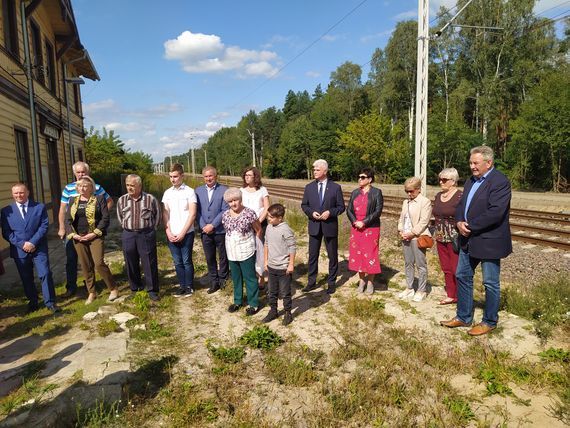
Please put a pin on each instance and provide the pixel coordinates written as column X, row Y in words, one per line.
column 25, row 225
column 485, row 238
column 322, row 203
column 211, row 206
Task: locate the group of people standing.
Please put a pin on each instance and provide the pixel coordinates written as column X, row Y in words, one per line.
column 243, row 234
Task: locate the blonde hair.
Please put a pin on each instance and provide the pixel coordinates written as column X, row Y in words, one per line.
column 86, row 178
column 232, row 194
column 413, row 182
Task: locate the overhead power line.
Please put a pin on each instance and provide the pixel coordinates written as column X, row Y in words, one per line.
column 288, row 63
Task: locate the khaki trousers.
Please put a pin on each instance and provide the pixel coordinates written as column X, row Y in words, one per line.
column 91, row 258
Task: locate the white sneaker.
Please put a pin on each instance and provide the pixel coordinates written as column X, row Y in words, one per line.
column 406, row 294
column 113, row 295
column 419, row 296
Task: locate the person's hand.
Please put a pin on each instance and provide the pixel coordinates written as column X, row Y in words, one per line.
column 28, row 247
column 209, row 228
column 359, row 224
column 316, row 216
column 89, row 237
column 290, row 269
column 61, row 233
column 325, row 215
column 463, row 228
column 77, row 237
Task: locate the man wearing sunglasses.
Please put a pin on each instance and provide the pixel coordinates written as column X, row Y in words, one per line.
column 322, row 203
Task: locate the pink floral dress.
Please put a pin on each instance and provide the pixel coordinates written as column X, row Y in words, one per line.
column 363, row 253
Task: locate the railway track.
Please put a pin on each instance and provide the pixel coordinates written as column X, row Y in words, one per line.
column 542, row 228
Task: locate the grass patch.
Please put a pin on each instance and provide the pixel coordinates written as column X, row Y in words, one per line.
column 226, row 355
column 555, row 355
column 261, row 337
column 297, row 221
column 105, row 328
column 460, row 409
column 102, row 414
column 368, row 310
column 30, row 394
column 154, row 330
column 294, row 366
column 547, row 303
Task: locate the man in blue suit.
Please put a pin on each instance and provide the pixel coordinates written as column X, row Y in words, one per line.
column 211, row 206
column 322, row 203
column 485, row 238
column 25, row 225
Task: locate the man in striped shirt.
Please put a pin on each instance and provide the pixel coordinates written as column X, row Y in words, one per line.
column 80, row 169
column 139, row 214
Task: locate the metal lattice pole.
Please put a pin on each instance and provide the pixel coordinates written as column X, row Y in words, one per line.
column 420, row 164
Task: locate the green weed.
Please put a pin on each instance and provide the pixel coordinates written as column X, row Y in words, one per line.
column 460, row 408
column 105, row 328
column 261, row 337
column 368, row 310
column 226, row 355
column 101, row 415
column 298, row 369
column 555, row 355
column 141, row 302
column 154, row 330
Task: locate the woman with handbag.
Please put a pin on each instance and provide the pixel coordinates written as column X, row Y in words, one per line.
column 446, row 234
column 416, row 238
column 364, row 211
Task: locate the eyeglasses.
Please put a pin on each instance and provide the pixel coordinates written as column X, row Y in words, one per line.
column 363, row 177
column 444, row 180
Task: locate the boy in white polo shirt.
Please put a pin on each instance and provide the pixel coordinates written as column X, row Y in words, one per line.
column 178, row 215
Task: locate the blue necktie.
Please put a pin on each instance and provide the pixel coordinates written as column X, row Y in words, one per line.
column 321, row 193
column 23, row 210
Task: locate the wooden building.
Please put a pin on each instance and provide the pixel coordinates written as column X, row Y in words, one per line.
column 41, row 59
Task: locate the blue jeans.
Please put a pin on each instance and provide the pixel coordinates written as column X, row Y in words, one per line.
column 182, row 256
column 491, row 272
column 70, row 265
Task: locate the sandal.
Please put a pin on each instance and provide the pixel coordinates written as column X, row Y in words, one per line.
column 448, row 301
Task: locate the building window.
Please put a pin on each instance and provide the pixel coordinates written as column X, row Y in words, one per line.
column 37, row 54
column 76, row 99
column 9, row 20
column 80, row 155
column 23, row 158
column 50, row 68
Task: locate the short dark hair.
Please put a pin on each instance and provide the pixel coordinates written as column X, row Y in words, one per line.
column 369, row 172
column 176, row 167
column 276, row 210
column 256, row 177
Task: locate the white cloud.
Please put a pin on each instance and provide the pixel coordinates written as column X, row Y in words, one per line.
column 128, row 126
column 220, row 115
column 202, row 53
column 375, row 36
column 312, row 73
column 131, row 142
column 97, row 106
column 410, row 14
column 330, row 38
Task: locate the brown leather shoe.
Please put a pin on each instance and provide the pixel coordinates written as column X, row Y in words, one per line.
column 480, row 329
column 454, row 322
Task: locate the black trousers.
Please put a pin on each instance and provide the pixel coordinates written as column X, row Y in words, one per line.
column 211, row 243
column 279, row 284
column 139, row 248
column 331, row 244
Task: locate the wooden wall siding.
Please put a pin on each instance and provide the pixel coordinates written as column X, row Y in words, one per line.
column 14, row 112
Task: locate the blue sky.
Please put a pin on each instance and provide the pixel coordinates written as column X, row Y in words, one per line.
column 174, row 72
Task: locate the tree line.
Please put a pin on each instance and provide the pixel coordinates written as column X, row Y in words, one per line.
column 506, row 86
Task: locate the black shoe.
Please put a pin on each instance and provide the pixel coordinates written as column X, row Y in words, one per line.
column 182, row 292
column 309, row 288
column 54, row 309
column 213, row 289
column 287, row 318
column 270, row 316
column 32, row 307
column 233, row 308
column 331, row 289
column 69, row 293
column 251, row 311
column 153, row 296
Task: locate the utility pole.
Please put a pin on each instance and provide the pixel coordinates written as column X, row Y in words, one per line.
column 193, row 162
column 252, row 135
column 205, row 158
column 420, row 158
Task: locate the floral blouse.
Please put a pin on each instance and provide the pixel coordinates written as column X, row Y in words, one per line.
column 240, row 236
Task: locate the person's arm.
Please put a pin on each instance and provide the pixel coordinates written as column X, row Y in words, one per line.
column 292, row 248
column 166, row 221
column 9, row 234
column 263, row 213
column 103, row 223
column 217, row 221
column 61, row 219
column 425, row 216
column 305, row 206
column 156, row 214
column 378, row 206
column 338, row 208
column 497, row 208
column 257, row 228
column 350, row 209
column 265, row 254
column 189, row 221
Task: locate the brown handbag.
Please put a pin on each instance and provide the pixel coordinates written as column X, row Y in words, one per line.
column 425, row 242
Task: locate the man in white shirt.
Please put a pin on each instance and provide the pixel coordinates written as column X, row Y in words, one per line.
column 178, row 215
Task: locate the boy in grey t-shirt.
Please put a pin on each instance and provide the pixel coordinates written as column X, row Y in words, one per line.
column 280, row 248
